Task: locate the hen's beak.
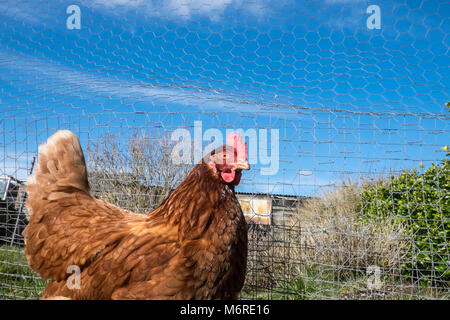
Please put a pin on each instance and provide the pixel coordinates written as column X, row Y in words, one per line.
column 242, row 165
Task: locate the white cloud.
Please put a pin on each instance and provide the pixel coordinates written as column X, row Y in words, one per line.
column 184, row 9
column 344, row 1
column 114, row 3
column 65, row 80
column 21, row 13
column 168, row 9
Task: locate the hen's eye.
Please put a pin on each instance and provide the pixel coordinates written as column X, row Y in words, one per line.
column 224, row 156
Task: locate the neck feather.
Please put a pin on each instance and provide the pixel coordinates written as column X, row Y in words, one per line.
column 193, row 204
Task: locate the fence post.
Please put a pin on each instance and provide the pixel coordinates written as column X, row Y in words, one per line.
column 22, row 201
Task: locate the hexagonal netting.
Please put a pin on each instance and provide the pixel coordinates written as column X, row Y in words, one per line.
column 342, row 103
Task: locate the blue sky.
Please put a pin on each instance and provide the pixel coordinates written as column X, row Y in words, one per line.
column 347, row 101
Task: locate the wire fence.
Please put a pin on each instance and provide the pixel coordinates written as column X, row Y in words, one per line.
column 343, row 105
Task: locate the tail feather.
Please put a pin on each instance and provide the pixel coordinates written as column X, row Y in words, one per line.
column 59, row 173
column 67, row 226
column 61, row 167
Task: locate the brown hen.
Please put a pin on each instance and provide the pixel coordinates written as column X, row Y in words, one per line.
column 193, row 246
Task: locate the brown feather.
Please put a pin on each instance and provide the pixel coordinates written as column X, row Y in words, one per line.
column 193, row 246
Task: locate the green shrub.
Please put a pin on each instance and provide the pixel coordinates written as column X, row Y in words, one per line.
column 421, row 202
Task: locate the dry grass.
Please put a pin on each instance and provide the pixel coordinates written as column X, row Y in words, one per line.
column 334, row 235
column 324, row 250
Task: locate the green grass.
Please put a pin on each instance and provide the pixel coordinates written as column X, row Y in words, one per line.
column 17, row 281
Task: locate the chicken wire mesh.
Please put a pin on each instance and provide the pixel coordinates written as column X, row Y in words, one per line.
column 342, row 103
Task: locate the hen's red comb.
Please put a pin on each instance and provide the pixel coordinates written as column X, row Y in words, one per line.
column 238, row 144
